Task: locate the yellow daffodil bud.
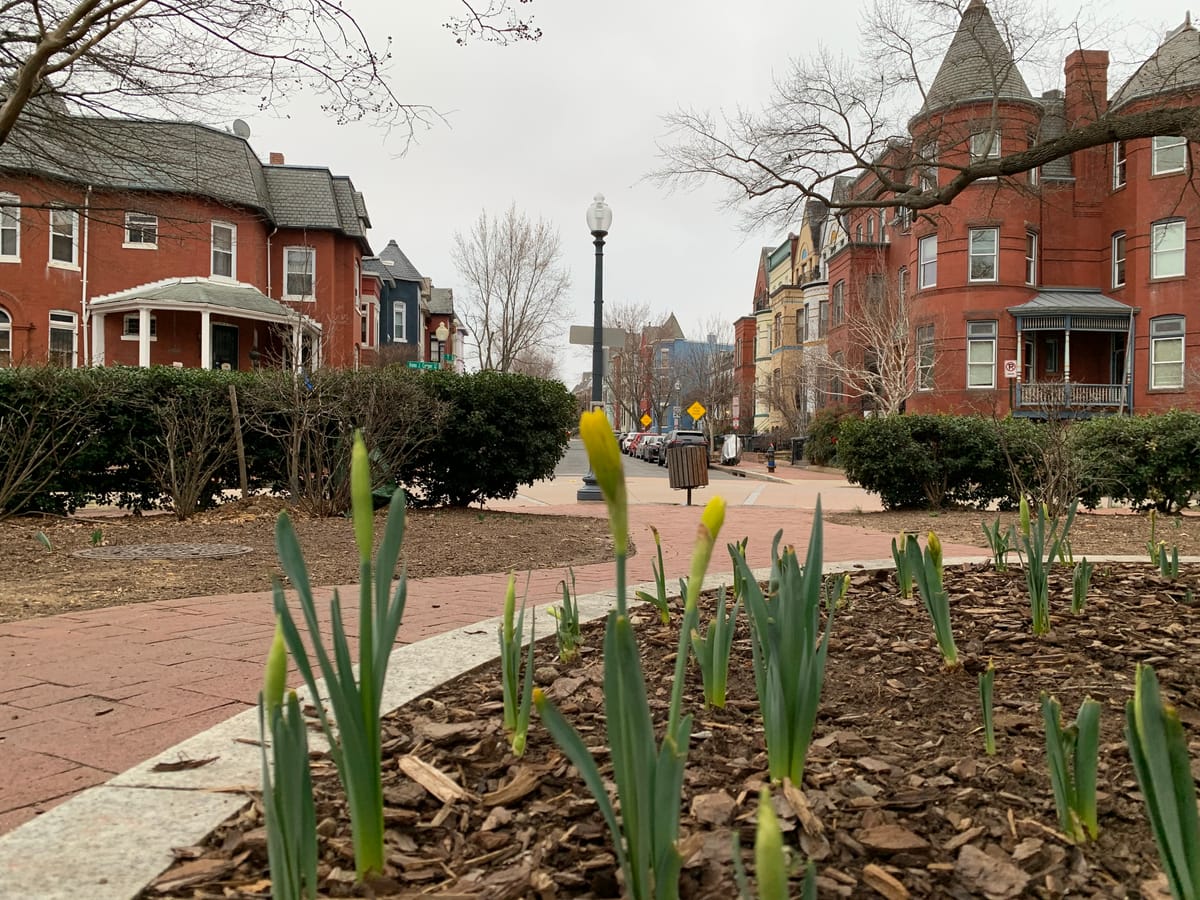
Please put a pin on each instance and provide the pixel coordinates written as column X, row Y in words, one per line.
column 539, row 698
column 275, row 676
column 510, row 606
column 605, row 458
column 935, row 549
column 362, row 507
column 706, row 538
column 657, row 536
column 770, row 865
column 1024, row 517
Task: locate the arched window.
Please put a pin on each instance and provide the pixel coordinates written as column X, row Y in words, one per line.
column 5, row 339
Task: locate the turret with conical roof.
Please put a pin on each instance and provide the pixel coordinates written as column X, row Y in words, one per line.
column 978, row 66
column 1174, row 66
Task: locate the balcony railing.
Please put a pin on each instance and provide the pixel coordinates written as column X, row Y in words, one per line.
column 1059, row 395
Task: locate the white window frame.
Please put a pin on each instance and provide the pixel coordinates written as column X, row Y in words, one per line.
column 131, row 324
column 838, row 306
column 993, row 255
column 62, row 320
column 1161, row 146
column 1167, row 331
column 231, row 253
column 1031, row 257
column 10, row 222
column 5, row 339
column 1119, row 249
column 981, row 337
column 927, row 262
column 1120, row 165
column 399, row 321
column 925, row 358
column 981, row 153
column 144, row 225
column 55, row 232
column 1168, row 261
column 309, row 255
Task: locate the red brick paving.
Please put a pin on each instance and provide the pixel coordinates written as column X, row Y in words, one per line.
column 86, row 695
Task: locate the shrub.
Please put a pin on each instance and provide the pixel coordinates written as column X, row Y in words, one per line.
column 503, row 431
column 925, row 460
column 1145, row 460
column 821, row 448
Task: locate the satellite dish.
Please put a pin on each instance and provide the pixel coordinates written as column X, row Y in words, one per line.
column 241, row 129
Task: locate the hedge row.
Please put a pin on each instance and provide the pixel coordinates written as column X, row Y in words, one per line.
column 937, row 460
column 137, row 436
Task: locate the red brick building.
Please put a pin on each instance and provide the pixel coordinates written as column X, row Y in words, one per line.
column 1073, row 279
column 165, row 243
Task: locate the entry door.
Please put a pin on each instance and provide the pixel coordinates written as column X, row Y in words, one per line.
column 224, row 346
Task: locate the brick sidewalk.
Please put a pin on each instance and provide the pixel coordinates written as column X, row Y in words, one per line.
column 85, row 696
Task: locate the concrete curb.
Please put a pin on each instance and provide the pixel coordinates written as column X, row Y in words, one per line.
column 119, row 835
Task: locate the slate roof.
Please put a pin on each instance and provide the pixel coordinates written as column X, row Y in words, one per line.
column 1054, row 125
column 441, row 301
column 1173, row 66
column 398, row 264
column 978, row 65
column 1064, row 301
column 242, row 298
column 185, row 158
column 373, row 265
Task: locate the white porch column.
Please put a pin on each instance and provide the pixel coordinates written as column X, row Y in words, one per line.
column 205, row 339
column 297, row 346
column 97, row 339
column 144, row 337
column 1066, row 355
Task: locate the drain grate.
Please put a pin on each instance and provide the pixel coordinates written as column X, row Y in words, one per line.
column 165, row 551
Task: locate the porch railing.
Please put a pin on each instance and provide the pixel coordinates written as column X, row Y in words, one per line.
column 1069, row 394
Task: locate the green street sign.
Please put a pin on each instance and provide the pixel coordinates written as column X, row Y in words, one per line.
column 448, row 357
column 423, row 365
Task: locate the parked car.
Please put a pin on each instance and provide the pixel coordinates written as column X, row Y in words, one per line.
column 680, row 438
column 637, row 442
column 651, row 448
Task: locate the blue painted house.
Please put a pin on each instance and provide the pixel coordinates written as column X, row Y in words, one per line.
column 401, row 288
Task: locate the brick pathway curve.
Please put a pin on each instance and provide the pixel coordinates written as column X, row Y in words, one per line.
column 85, row 696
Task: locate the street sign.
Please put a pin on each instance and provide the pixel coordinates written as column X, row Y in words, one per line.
column 697, row 410
column 736, row 422
column 645, row 420
column 423, row 365
column 1010, row 368
column 448, row 357
column 609, row 337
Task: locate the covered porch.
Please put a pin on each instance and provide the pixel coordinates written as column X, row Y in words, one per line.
column 1072, row 354
column 200, row 323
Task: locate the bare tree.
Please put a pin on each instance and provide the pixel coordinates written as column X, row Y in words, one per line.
column 880, row 360
column 516, row 286
column 191, row 58
column 705, row 374
column 885, row 113
column 537, row 363
column 638, row 382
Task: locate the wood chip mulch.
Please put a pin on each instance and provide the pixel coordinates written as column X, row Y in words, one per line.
column 899, row 798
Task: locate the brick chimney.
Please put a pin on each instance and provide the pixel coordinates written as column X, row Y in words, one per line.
column 1086, row 100
column 277, row 158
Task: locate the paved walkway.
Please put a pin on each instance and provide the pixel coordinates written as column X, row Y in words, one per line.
column 85, row 696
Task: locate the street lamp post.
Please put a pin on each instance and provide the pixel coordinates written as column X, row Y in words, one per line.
column 442, row 334
column 599, row 218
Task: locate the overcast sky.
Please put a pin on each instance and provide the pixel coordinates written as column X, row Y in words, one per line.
column 549, row 124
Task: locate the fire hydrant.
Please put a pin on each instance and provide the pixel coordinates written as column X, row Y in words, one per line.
column 771, row 458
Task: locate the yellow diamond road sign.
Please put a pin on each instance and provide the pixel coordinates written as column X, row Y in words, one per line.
column 645, row 420
column 697, row 410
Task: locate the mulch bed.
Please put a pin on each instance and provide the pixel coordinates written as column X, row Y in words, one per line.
column 898, row 784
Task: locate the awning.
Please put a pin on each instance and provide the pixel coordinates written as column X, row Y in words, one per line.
column 198, row 295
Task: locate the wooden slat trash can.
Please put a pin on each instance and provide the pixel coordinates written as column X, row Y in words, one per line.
column 688, row 468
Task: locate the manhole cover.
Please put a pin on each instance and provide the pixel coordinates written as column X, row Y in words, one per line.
column 165, row 551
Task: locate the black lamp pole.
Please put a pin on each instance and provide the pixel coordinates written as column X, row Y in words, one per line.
column 599, row 217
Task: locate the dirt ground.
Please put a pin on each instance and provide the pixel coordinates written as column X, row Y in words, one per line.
column 44, row 577
column 40, row 578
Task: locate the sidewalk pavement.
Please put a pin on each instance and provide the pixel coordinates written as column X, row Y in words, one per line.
column 85, row 696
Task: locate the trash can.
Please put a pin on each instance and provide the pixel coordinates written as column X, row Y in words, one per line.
column 687, row 466
column 797, row 450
